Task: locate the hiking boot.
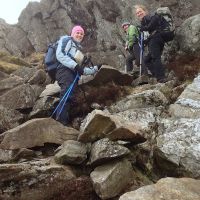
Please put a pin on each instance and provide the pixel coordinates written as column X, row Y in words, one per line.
column 149, row 73
column 153, row 81
column 162, row 80
column 136, row 69
column 129, row 72
column 144, row 79
column 141, row 80
column 135, row 74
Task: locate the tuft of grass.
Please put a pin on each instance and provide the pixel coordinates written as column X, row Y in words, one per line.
column 13, row 59
column 9, row 63
column 8, row 67
column 36, row 57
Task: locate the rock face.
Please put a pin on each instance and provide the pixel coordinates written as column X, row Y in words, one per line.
column 179, row 141
column 147, row 98
column 180, row 144
column 20, row 44
column 20, row 97
column 71, row 152
column 17, row 179
column 9, row 119
column 188, row 36
column 104, row 150
column 109, row 180
column 142, row 116
column 9, row 64
column 142, row 108
column 167, row 189
column 41, row 23
column 99, row 124
column 3, row 75
column 107, row 74
column 27, row 135
column 8, row 156
column 10, row 83
column 188, row 103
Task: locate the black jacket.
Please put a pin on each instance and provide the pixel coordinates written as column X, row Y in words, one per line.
column 150, row 23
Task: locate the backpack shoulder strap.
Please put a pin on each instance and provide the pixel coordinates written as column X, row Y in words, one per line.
column 64, row 44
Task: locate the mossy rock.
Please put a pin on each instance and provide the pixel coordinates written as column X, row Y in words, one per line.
column 9, row 63
column 36, row 57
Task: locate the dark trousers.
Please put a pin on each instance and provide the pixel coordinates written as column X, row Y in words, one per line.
column 153, row 60
column 134, row 54
column 65, row 77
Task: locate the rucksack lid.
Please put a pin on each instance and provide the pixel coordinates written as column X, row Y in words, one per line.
column 166, row 16
column 163, row 11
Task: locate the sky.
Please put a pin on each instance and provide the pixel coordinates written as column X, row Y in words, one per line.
column 10, row 10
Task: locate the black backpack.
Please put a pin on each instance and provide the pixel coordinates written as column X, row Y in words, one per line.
column 167, row 27
column 50, row 61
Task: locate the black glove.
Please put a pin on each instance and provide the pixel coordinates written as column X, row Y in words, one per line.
column 145, row 42
column 99, row 66
column 138, row 27
column 130, row 48
column 143, row 28
column 86, row 60
column 79, row 69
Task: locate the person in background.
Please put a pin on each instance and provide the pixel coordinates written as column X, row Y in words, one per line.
column 132, row 46
column 151, row 23
column 68, row 46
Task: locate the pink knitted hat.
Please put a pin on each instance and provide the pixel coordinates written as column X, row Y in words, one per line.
column 76, row 29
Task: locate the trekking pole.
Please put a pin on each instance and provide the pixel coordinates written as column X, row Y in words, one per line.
column 67, row 96
column 125, row 69
column 87, row 61
column 64, row 98
column 60, row 102
column 141, row 52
